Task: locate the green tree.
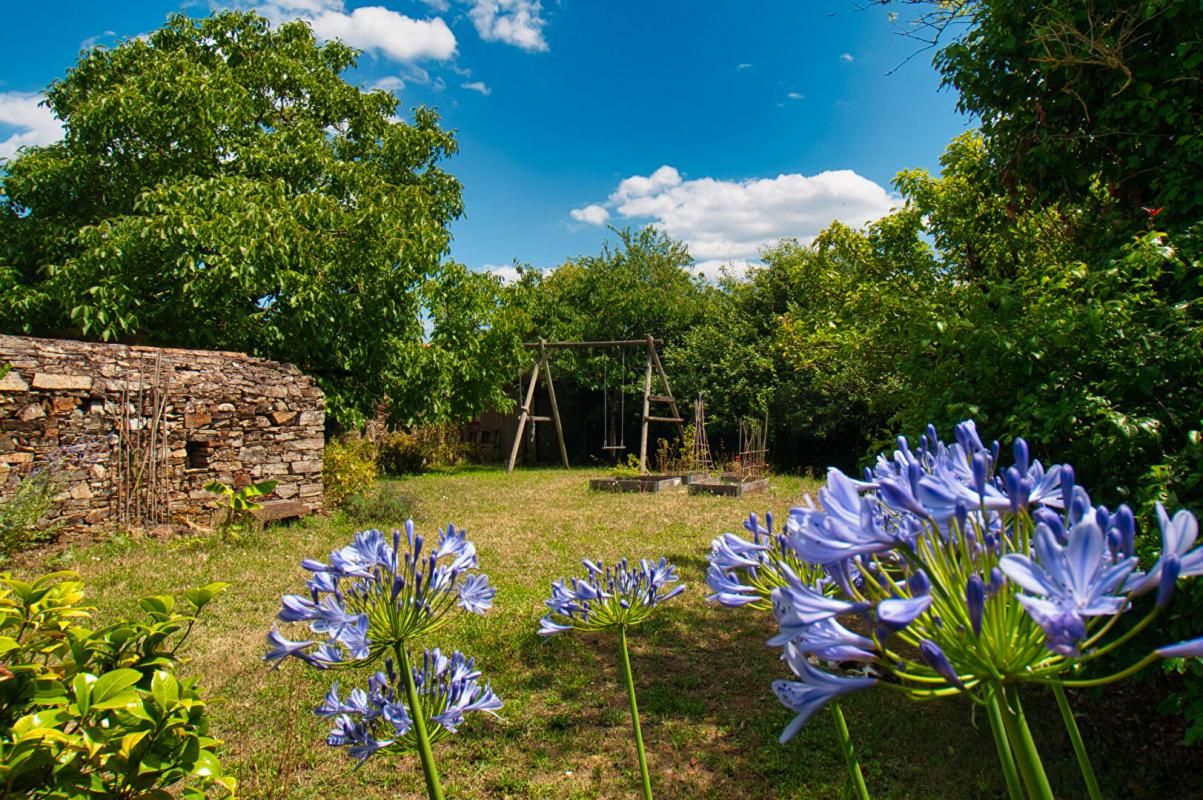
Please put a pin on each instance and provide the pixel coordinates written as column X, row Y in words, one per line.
column 221, row 185
column 1095, row 102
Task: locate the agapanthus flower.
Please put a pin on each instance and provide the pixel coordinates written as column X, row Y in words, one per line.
column 379, row 592
column 955, row 573
column 814, row 689
column 609, row 597
column 366, row 722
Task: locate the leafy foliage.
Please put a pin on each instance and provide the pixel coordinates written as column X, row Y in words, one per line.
column 100, row 713
column 24, row 508
column 1074, row 97
column 349, row 467
column 277, row 210
column 235, row 505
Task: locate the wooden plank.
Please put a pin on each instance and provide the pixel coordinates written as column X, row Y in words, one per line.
column 587, row 345
column 555, row 408
column 662, row 398
column 530, row 395
column 647, row 396
column 533, row 418
column 672, row 404
column 676, row 420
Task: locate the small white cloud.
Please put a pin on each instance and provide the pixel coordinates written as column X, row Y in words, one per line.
column 743, row 66
column 477, row 86
column 724, row 221
column 439, row 6
column 35, row 124
column 374, row 29
column 638, row 186
column 516, row 22
column 92, row 41
column 389, row 83
column 847, row 57
column 592, row 214
column 794, row 96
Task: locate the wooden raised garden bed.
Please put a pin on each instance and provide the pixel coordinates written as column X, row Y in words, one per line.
column 728, row 486
column 637, row 483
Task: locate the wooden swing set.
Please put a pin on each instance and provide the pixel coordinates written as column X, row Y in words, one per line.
column 614, row 441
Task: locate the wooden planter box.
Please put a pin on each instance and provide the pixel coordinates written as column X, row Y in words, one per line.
column 640, row 483
column 728, row 486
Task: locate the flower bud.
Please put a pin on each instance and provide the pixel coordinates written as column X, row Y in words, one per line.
column 1067, row 484
column 1125, row 523
column 981, row 469
column 1015, row 493
column 961, row 512
column 918, row 583
column 997, row 579
column 1022, row 456
column 936, row 659
column 975, row 598
column 1171, row 566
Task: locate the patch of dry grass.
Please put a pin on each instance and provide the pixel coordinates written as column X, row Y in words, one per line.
column 703, row 672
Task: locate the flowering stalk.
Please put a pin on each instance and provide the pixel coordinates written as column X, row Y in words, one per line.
column 1071, row 727
column 434, row 788
column 369, row 603
column 613, row 598
column 626, row 671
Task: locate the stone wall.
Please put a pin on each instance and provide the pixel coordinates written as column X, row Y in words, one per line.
column 133, row 434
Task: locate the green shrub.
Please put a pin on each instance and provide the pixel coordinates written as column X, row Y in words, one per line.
column 100, row 713
column 21, row 512
column 235, row 507
column 401, row 453
column 386, row 506
column 348, row 467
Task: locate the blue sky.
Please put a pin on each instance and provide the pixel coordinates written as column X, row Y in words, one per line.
column 728, row 124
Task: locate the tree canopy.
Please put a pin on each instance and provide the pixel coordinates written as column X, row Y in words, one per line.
column 221, row 185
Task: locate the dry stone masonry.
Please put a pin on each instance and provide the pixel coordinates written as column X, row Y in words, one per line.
column 133, row 434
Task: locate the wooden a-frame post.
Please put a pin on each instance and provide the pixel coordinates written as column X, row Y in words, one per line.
column 653, row 361
column 541, row 365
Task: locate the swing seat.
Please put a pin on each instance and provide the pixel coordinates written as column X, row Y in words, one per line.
column 614, row 447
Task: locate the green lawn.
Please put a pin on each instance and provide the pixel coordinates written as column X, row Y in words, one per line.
column 703, row 672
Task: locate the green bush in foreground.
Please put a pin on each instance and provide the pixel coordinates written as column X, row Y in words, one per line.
column 100, row 713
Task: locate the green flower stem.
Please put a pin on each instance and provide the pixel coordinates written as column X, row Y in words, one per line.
column 841, row 732
column 434, row 789
column 626, row 669
column 1005, row 759
column 1023, row 746
column 1071, row 727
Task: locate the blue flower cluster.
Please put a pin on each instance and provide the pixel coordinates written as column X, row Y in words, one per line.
column 373, row 595
column 609, row 597
column 958, row 572
column 366, row 722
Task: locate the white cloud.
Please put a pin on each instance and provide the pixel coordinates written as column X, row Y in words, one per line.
column 509, row 272
column 440, row 6
column 743, row 66
column 593, row 214
column 516, row 22
column 736, row 267
column 35, row 124
column 389, row 83
column 374, row 29
column 477, row 86
column 848, row 57
column 794, row 96
column 723, row 221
